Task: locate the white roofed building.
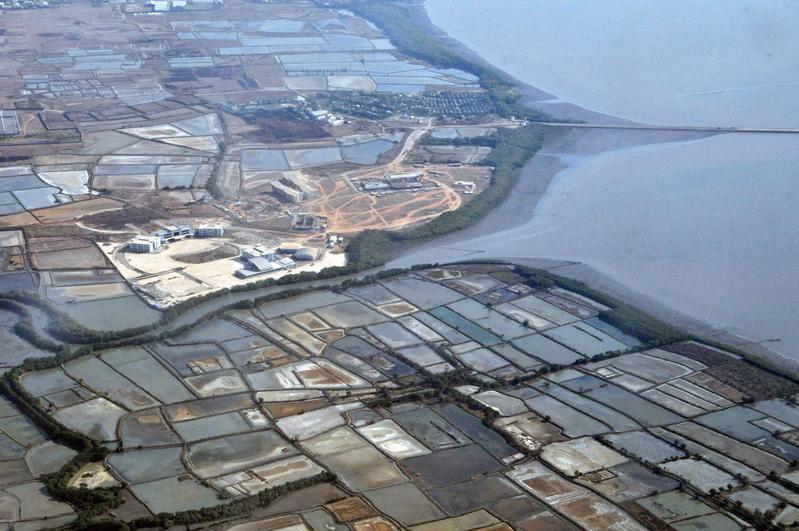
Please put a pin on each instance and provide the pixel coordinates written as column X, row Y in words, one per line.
column 144, row 244
column 208, row 230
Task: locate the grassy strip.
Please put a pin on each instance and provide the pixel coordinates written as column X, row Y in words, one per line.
column 223, row 511
column 24, row 327
column 63, row 354
column 212, row 185
column 480, row 141
column 649, row 330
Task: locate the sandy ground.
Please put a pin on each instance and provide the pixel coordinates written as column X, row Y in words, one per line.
column 349, row 210
column 164, row 281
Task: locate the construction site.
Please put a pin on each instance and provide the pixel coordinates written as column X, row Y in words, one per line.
column 125, row 120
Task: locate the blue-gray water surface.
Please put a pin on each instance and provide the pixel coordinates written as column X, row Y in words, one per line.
column 710, row 227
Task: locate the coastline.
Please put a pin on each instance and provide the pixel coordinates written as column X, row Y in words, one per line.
column 535, row 180
column 542, row 168
column 558, row 153
column 531, row 96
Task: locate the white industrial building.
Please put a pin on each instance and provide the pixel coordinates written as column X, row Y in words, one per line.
column 260, row 265
column 172, row 233
column 326, row 116
column 144, row 244
column 257, row 251
column 209, row 231
column 259, row 259
column 160, row 6
column 403, row 177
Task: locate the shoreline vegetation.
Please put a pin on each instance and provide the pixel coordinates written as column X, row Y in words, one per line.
column 93, row 504
column 414, row 34
column 371, row 249
column 511, row 148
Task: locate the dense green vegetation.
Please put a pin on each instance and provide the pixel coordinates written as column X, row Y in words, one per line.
column 212, row 185
column 649, row 330
column 238, row 507
column 514, row 147
column 24, row 327
column 90, row 503
column 282, row 125
column 486, row 141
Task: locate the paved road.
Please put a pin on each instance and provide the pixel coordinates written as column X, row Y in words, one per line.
column 703, row 129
